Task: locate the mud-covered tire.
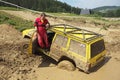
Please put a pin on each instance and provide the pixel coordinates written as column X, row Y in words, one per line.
column 66, row 65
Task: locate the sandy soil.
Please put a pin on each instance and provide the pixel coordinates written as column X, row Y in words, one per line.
column 15, row 65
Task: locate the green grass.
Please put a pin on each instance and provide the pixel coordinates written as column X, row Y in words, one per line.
column 63, row 14
column 17, row 22
column 10, row 8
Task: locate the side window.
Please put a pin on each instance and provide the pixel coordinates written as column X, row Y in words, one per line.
column 77, row 48
column 61, row 41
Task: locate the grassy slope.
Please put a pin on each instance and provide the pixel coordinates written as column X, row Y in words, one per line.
column 18, row 23
column 9, row 8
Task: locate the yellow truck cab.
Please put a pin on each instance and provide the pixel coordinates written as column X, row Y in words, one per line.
column 72, row 47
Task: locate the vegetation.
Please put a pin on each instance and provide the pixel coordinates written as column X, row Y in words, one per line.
column 95, row 19
column 45, row 5
column 9, row 8
column 107, row 11
column 60, row 14
column 18, row 23
column 105, row 8
column 56, row 7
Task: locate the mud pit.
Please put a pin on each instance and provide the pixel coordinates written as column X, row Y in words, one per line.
column 15, row 65
column 12, row 61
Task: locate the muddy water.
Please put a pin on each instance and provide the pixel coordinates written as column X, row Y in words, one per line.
column 110, row 71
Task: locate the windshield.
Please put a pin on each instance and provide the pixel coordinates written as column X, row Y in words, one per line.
column 97, row 48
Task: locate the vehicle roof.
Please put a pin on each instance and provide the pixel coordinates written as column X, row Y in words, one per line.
column 75, row 32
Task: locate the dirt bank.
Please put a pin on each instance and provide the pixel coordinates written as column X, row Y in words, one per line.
column 12, row 60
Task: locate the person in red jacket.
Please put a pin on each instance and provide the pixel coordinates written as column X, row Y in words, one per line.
column 41, row 23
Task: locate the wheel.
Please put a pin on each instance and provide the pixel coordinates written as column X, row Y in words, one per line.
column 66, row 65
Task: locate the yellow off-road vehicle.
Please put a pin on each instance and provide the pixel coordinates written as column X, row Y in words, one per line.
column 71, row 46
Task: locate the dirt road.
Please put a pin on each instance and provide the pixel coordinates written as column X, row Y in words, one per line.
column 15, row 65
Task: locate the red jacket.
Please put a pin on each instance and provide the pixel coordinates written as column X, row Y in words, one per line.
column 40, row 23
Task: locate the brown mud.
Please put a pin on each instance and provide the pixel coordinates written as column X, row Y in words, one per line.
column 16, row 65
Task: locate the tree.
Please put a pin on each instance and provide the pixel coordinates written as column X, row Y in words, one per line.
column 45, row 5
column 110, row 13
column 117, row 13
